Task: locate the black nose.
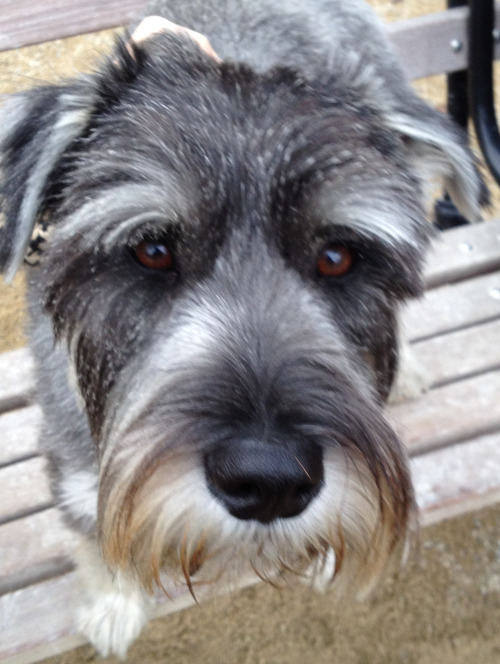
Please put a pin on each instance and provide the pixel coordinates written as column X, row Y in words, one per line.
column 263, row 481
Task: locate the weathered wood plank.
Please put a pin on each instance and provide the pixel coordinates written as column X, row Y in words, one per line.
column 24, row 488
column 460, row 354
column 444, row 415
column 16, row 379
column 469, row 502
column 463, row 252
column 423, row 44
column 42, row 538
column 19, row 434
column 457, row 473
column 46, row 569
column 23, row 630
column 453, row 307
column 31, row 21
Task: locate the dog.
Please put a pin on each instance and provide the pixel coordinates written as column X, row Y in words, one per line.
column 233, row 221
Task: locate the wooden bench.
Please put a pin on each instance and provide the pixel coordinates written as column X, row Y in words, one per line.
column 452, row 432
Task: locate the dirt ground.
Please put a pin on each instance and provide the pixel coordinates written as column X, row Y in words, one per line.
column 445, row 606
column 444, row 609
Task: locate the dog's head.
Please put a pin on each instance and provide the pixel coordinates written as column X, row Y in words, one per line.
column 228, row 253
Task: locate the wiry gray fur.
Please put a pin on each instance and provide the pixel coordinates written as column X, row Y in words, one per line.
column 224, row 413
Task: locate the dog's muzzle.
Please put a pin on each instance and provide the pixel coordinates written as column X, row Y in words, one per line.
column 265, row 481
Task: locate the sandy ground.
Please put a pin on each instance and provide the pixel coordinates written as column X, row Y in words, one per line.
column 444, row 607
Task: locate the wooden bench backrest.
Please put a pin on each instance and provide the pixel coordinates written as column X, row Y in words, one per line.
column 426, row 45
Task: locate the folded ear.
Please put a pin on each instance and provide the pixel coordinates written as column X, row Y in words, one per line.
column 36, row 128
column 439, row 150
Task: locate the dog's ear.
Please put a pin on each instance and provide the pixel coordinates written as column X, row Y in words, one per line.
column 36, row 128
column 439, row 150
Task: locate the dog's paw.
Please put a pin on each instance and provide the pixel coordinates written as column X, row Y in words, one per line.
column 113, row 622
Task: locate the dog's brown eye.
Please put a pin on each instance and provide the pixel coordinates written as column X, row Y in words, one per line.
column 155, row 255
column 334, row 261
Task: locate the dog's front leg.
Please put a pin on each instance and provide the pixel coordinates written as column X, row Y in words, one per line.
column 114, row 609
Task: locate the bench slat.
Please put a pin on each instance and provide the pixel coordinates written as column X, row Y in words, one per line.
column 448, row 476
column 23, row 630
column 24, row 488
column 31, row 21
column 19, row 434
column 444, row 359
column 42, row 538
column 422, row 43
column 453, row 307
column 16, row 379
column 463, row 252
column 442, row 417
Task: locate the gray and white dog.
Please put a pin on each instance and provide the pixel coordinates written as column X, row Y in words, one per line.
column 214, row 316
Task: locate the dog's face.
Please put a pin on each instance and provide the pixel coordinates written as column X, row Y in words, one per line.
column 227, row 258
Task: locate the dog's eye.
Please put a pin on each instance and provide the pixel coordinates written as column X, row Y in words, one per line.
column 335, row 260
column 154, row 255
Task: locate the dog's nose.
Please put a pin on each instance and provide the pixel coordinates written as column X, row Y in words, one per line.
column 260, row 481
